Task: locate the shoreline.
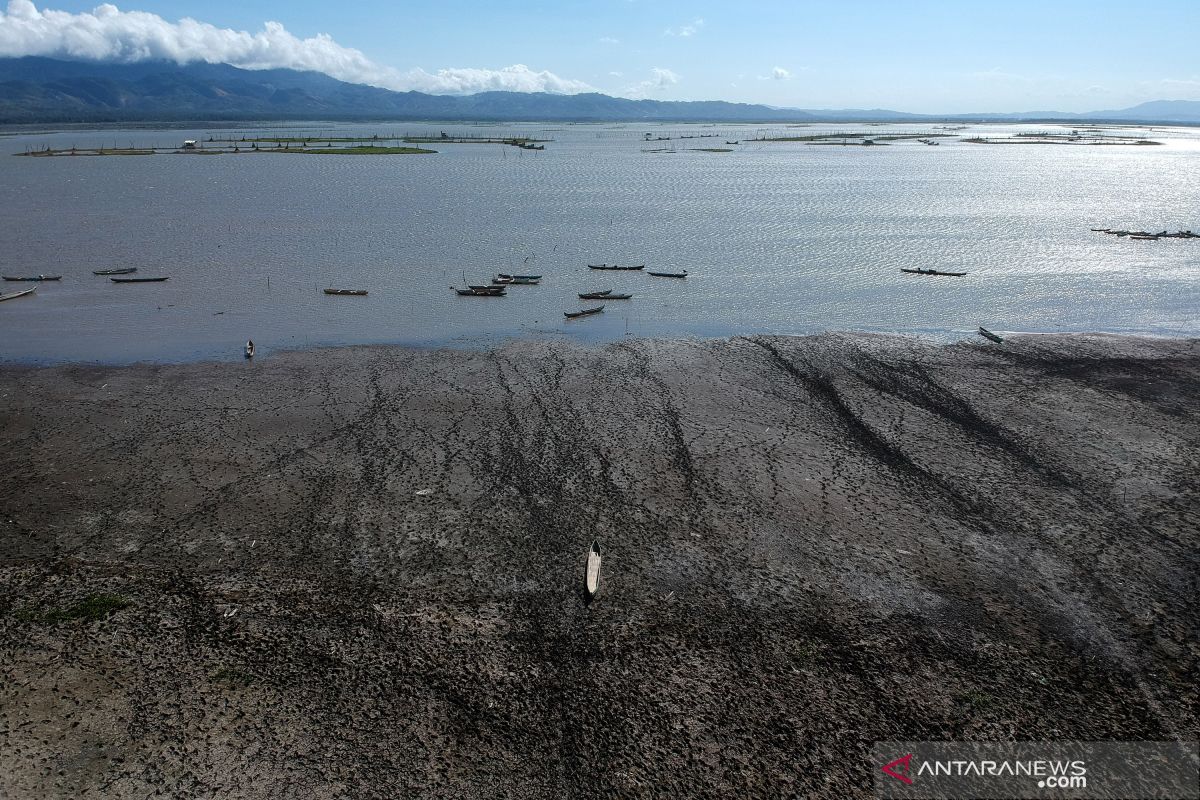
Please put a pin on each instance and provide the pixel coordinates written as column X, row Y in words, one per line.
column 484, row 342
column 363, row 575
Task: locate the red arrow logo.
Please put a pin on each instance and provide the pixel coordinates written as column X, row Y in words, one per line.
column 902, row 765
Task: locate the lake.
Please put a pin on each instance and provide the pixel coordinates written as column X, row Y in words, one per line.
column 777, row 237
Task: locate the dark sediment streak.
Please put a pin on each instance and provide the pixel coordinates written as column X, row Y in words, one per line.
column 811, row 544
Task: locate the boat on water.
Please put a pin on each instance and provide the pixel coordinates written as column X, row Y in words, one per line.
column 592, row 576
column 603, row 296
column 15, row 295
column 34, row 278
column 585, row 312
column 1151, row 238
column 355, row 292
column 733, row 143
column 1102, row 230
column 615, row 267
column 919, row 271
column 519, row 277
column 669, row 274
column 985, row 333
column 249, row 348
column 121, row 271
column 141, row 280
column 480, row 291
column 512, row 280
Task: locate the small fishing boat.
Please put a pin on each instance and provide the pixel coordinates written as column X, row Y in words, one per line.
column 144, row 280
column 480, row 291
column 985, row 333
column 733, row 143
column 1102, row 230
column 512, row 280
column 592, row 578
column 520, row 277
column 583, row 313
column 919, row 271
column 122, row 271
column 669, row 274
column 603, row 296
column 1151, row 238
column 615, row 267
column 35, row 278
column 355, row 292
column 15, row 295
column 249, row 348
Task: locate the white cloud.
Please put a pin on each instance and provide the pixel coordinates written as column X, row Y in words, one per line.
column 690, row 29
column 777, row 74
column 616, row 74
column 608, row 40
column 659, row 80
column 109, row 34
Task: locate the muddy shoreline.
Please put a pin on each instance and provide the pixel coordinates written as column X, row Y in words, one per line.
column 359, row 571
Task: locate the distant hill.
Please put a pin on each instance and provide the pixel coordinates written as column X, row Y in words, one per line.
column 34, row 89
column 47, row 90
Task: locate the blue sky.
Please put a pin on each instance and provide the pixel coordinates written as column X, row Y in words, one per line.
column 913, row 56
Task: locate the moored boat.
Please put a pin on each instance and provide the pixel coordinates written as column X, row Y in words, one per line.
column 592, row 576
column 34, row 278
column 585, row 312
column 249, row 348
column 919, row 271
column 603, row 296
column 519, row 277
column 668, row 274
column 480, row 291
column 121, row 271
column 15, row 295
column 144, row 280
column 355, row 292
column 615, row 267
column 985, row 333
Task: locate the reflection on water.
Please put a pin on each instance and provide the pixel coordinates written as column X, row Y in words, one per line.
column 776, row 237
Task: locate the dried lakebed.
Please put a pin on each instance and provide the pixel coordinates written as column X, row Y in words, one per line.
column 359, row 572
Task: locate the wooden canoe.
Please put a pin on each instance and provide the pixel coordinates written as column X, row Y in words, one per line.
column 603, row 296
column 520, row 277
column 34, row 278
column 583, row 313
column 985, row 333
column 592, row 579
column 355, row 292
column 669, row 274
column 140, row 280
column 14, row 295
column 122, row 271
column 919, row 271
column 615, row 267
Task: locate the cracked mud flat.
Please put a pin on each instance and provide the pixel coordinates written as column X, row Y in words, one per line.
column 811, row 544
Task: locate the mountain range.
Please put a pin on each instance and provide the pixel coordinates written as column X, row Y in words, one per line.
column 40, row 90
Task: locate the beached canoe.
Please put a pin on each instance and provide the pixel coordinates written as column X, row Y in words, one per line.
column 592, row 577
column 603, row 296
column 140, row 280
column 122, row 271
column 615, row 267
column 985, row 333
column 15, row 295
column 669, row 274
column 354, row 292
column 583, row 313
column 34, row 278
column 919, row 271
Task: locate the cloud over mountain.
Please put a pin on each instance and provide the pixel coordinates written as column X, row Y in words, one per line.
column 108, row 34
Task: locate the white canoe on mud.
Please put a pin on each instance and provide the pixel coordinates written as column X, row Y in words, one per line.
column 593, row 569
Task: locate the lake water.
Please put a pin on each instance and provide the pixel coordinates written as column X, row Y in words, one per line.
column 777, row 237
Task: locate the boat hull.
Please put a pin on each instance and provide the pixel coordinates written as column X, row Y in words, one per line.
column 592, row 575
